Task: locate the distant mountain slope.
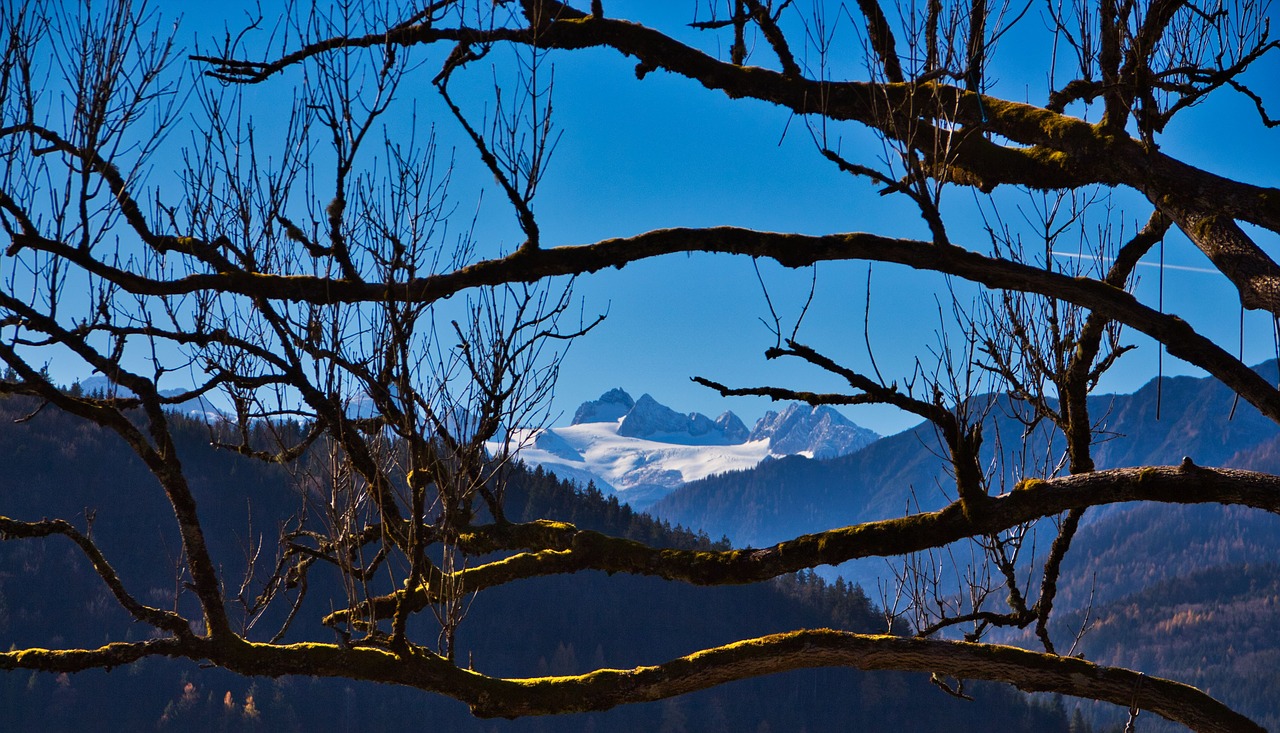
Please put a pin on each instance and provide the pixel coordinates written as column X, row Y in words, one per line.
column 788, row 496
column 1119, row 553
column 1196, row 417
column 638, row 470
column 780, row 499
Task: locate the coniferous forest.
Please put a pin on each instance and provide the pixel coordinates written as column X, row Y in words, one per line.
column 557, row 625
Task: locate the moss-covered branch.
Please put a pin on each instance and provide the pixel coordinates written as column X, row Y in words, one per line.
column 608, row 688
column 1051, row 149
column 558, row 548
column 789, row 250
column 1255, row 275
column 1030, row 671
column 108, row 656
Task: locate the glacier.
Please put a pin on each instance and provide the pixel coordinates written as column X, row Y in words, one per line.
column 642, row 450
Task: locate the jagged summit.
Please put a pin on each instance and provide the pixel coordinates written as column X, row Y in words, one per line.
column 611, row 406
column 735, row 431
column 817, row 431
column 649, row 417
column 646, row 417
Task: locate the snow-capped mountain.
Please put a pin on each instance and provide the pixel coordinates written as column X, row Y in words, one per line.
column 611, row 407
column 653, row 421
column 644, row 450
column 817, row 432
column 198, row 408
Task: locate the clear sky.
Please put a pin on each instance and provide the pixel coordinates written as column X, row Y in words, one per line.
column 662, row 152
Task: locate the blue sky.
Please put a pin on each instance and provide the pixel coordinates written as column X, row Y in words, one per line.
column 637, row 155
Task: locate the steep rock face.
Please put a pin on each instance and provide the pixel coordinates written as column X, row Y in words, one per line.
column 820, row 431
column 735, row 431
column 700, row 424
column 612, row 405
column 649, row 417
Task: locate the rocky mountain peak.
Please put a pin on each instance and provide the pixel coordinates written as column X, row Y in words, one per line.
column 649, row 417
column 611, row 406
column 820, row 431
column 735, row 431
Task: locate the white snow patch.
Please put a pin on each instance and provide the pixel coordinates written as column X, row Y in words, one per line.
column 653, row 466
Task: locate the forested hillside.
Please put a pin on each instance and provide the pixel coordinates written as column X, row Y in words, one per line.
column 1157, row 425
column 1213, row 628
column 1173, row 582
column 50, row 597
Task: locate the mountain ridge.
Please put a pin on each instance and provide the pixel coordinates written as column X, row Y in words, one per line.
column 643, row 450
column 906, row 470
